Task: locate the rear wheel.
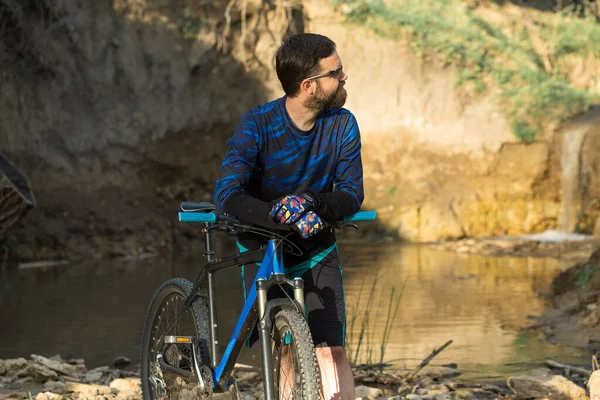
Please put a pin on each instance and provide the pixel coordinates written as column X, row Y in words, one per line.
column 295, row 371
column 167, row 317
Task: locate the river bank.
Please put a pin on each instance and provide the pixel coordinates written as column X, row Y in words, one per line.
column 53, row 378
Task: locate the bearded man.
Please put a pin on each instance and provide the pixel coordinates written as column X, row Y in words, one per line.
column 295, row 163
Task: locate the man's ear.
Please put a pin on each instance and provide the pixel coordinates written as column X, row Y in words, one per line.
column 308, row 87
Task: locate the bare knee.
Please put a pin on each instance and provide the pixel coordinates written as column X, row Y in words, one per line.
column 331, row 354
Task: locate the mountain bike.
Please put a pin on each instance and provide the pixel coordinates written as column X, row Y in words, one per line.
column 180, row 352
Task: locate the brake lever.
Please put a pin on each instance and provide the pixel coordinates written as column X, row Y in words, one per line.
column 340, row 225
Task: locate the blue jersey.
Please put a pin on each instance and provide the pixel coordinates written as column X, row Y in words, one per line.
column 268, row 157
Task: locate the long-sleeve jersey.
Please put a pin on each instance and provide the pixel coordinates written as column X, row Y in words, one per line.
column 268, row 157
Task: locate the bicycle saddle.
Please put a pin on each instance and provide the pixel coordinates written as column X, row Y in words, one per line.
column 190, row 206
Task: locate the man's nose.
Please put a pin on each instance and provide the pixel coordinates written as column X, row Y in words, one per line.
column 344, row 77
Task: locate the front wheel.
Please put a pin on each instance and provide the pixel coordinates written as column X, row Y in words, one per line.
column 295, row 370
column 167, row 316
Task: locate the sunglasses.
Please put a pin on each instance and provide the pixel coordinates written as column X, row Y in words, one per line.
column 334, row 73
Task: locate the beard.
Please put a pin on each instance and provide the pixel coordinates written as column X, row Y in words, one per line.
column 322, row 101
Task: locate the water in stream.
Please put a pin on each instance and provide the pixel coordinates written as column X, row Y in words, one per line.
column 95, row 310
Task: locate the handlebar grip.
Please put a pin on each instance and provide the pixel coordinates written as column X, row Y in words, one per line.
column 362, row 216
column 197, row 217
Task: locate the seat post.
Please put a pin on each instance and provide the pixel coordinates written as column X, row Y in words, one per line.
column 209, row 254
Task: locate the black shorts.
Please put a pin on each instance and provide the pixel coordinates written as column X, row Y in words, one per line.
column 323, row 296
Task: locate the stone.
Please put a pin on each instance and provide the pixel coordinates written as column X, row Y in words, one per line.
column 58, row 358
column 12, row 365
column 54, row 386
column 464, row 394
column 92, row 376
column 439, row 373
column 366, row 392
column 126, row 384
column 435, row 395
column 2, row 367
column 121, row 361
column 493, row 388
column 65, row 369
column 88, row 390
column 413, row 396
column 439, row 388
column 542, row 384
column 129, row 395
column 37, row 371
column 426, row 381
column 48, row 396
column 594, row 385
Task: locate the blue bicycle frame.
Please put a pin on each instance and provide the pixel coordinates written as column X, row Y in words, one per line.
column 271, row 271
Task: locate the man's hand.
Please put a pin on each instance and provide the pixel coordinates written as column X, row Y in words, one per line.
column 290, row 208
column 309, row 224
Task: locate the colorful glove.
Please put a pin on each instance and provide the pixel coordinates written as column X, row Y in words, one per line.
column 309, row 224
column 289, row 209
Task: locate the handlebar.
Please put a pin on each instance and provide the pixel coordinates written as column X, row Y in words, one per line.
column 213, row 217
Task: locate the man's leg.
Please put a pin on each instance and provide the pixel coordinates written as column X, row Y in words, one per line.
column 336, row 375
column 324, row 298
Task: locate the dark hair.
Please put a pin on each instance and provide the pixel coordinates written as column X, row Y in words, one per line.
column 298, row 58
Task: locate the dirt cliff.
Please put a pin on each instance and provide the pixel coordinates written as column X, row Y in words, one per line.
column 117, row 111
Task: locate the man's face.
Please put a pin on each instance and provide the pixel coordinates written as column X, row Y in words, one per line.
column 330, row 92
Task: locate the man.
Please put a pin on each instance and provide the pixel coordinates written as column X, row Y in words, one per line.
column 295, row 163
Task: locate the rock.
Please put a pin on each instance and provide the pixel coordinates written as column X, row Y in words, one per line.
column 426, row 381
column 437, row 396
column 65, row 369
column 439, row 388
column 542, row 384
column 58, row 358
column 24, row 380
column 594, row 385
column 493, row 388
column 121, row 361
column 126, row 384
column 88, row 390
column 366, row 392
column 37, row 371
column 2, row 367
column 413, row 396
column 439, row 372
column 48, row 396
column 92, row 376
column 55, row 386
column 12, row 365
column 129, row 395
column 464, row 394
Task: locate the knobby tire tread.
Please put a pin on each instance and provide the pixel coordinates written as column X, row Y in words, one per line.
column 305, row 348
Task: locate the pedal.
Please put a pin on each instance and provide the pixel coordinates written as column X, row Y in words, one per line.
column 179, row 339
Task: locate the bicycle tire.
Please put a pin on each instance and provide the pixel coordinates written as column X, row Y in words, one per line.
column 173, row 293
column 287, row 320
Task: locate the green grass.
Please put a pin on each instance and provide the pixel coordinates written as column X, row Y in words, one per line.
column 584, row 275
column 530, row 82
